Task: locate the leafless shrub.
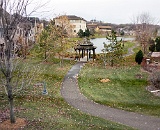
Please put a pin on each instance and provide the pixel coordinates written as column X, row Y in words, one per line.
column 155, row 79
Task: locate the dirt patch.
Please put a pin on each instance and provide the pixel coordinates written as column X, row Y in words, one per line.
column 105, row 80
column 138, row 76
column 6, row 125
column 4, row 115
column 61, row 69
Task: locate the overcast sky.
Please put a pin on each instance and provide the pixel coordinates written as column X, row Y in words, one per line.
column 110, row 11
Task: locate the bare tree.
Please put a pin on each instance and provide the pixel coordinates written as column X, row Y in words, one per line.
column 11, row 15
column 63, row 31
column 46, row 39
column 144, row 27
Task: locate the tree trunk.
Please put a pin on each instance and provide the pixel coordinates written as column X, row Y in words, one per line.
column 12, row 117
column 10, row 99
column 8, row 55
column 62, row 61
column 112, row 63
column 45, row 55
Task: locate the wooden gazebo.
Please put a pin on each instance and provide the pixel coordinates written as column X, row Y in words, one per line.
column 84, row 48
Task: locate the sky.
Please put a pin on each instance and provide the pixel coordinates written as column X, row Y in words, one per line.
column 109, row 11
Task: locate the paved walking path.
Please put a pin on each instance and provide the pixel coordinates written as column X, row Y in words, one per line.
column 71, row 93
column 130, row 50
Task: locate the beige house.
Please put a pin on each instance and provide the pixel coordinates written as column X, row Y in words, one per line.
column 75, row 22
column 104, row 29
column 99, row 27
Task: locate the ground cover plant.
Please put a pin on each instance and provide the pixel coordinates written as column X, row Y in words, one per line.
column 47, row 112
column 126, row 89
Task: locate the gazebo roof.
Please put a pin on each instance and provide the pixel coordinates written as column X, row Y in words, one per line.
column 85, row 47
column 85, row 44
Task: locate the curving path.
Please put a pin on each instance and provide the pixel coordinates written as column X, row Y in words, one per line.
column 130, row 50
column 71, row 93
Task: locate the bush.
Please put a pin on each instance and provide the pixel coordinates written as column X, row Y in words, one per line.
column 80, row 33
column 157, row 44
column 155, row 79
column 139, row 57
column 152, row 47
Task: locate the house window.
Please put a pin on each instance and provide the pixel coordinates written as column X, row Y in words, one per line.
column 75, row 31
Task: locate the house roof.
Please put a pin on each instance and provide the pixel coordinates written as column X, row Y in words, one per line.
column 104, row 27
column 155, row 54
column 72, row 17
column 92, row 25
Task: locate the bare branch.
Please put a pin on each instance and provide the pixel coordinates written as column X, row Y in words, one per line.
column 144, row 28
column 12, row 13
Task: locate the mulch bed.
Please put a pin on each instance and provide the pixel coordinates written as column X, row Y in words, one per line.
column 5, row 121
column 6, row 125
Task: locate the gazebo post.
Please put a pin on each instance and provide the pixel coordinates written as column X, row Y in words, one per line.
column 79, row 55
column 87, row 54
column 93, row 54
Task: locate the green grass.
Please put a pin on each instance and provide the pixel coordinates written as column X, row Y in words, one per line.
column 47, row 112
column 124, row 91
column 128, row 45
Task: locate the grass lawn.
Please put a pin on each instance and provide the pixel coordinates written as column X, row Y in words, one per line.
column 50, row 112
column 127, row 45
column 124, row 91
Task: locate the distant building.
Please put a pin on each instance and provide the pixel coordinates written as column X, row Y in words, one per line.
column 76, row 22
column 92, row 26
column 25, row 32
column 99, row 27
column 104, row 29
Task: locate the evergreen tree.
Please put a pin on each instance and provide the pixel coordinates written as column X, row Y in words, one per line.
column 87, row 33
column 113, row 51
column 157, row 44
column 80, row 33
column 139, row 57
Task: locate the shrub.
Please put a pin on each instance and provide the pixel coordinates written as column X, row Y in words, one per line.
column 152, row 47
column 80, row 33
column 155, row 79
column 157, row 44
column 139, row 57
